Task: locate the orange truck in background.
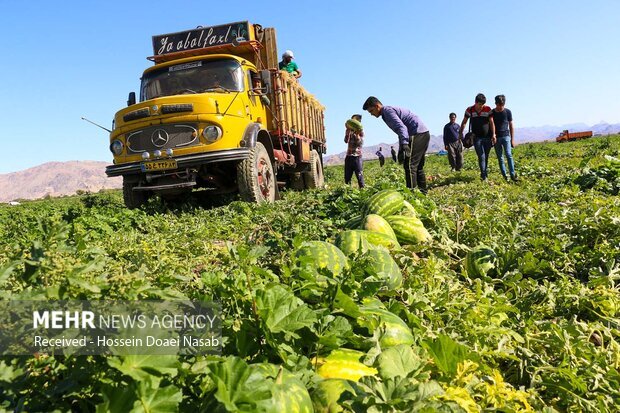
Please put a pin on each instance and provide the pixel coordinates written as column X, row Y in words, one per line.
column 566, row 136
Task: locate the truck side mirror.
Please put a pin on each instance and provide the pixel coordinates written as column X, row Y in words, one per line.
column 265, row 77
column 131, row 100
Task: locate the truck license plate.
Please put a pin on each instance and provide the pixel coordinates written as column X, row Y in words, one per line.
column 159, row 165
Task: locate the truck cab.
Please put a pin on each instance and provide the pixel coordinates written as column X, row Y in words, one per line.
column 209, row 118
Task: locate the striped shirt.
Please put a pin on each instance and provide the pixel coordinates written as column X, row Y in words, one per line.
column 479, row 121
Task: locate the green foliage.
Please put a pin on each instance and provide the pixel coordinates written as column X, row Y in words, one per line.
column 537, row 332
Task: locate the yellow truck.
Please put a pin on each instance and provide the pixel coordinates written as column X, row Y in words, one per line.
column 216, row 114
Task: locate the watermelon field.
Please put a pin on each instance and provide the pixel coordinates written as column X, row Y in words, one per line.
column 485, row 297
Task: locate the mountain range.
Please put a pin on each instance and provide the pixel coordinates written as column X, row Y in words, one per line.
column 66, row 178
column 56, row 179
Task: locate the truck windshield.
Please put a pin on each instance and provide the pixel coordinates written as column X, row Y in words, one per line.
column 221, row 76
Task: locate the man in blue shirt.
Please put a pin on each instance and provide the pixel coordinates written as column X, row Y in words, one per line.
column 413, row 139
column 452, row 143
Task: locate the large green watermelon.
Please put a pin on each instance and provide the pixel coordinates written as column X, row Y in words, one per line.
column 384, row 203
column 383, row 265
column 322, row 255
column 359, row 240
column 392, row 329
column 480, row 261
column 408, row 229
column 288, row 393
column 409, row 210
column 326, row 394
column 354, row 125
column 354, row 222
column 376, row 223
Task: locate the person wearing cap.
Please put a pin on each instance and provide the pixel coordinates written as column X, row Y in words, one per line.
column 289, row 65
column 413, row 138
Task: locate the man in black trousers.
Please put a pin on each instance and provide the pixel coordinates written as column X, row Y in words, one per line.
column 413, row 138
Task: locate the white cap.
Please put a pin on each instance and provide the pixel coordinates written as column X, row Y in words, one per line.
column 288, row 53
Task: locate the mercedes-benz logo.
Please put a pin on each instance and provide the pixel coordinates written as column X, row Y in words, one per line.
column 159, row 138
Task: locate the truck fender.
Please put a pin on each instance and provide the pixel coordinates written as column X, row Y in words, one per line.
column 253, row 133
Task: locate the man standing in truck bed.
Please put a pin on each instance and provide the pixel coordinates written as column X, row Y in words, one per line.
column 288, row 65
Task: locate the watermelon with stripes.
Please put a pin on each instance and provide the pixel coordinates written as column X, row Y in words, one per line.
column 480, row 261
column 392, row 330
column 384, row 203
column 383, row 266
column 354, row 222
column 359, row 240
column 288, row 393
column 354, row 125
column 376, row 223
column 408, row 229
column 322, row 255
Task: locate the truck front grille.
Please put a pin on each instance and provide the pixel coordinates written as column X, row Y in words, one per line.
column 162, row 137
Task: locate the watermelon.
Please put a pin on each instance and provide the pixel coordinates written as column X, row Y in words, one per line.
column 344, row 364
column 354, row 125
column 392, row 329
column 384, row 203
column 408, row 229
column 480, row 261
column 327, row 393
column 354, row 222
column 354, row 240
column 288, row 393
column 383, row 265
column 322, row 255
column 409, row 210
column 376, row 223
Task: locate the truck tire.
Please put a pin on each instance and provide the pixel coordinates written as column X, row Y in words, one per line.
column 314, row 177
column 255, row 176
column 133, row 199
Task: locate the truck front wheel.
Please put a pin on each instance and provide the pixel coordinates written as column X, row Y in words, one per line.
column 255, row 176
column 133, row 199
column 314, row 177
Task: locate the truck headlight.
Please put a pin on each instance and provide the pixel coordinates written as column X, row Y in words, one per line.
column 212, row 133
column 116, row 147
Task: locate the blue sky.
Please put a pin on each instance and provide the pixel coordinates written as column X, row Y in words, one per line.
column 557, row 62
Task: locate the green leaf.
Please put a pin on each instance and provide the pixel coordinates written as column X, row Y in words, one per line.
column 144, row 367
column 153, row 399
column 6, row 271
column 398, row 361
column 282, row 311
column 143, row 397
column 447, row 353
column 337, row 332
column 346, row 304
column 239, row 387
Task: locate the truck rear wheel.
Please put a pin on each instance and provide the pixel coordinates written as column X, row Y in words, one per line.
column 133, row 199
column 314, row 178
column 255, row 176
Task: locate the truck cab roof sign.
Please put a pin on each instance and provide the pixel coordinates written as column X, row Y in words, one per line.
column 201, row 37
